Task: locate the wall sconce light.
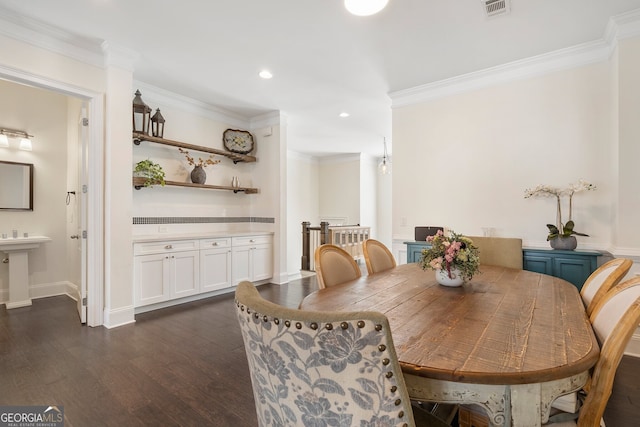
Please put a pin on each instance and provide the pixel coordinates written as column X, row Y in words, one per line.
column 157, row 124
column 365, row 7
column 141, row 114
column 385, row 164
column 25, row 142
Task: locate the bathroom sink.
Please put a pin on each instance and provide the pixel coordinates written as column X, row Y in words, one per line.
column 22, row 243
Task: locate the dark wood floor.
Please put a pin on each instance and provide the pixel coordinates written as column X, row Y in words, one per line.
column 180, row 366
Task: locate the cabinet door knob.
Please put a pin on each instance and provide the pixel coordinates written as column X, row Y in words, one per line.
column 252, row 241
column 168, row 247
column 214, row 244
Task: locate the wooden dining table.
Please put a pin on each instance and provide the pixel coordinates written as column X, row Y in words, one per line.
column 509, row 340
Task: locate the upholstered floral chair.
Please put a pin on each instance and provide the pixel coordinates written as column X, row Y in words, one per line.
column 323, row 368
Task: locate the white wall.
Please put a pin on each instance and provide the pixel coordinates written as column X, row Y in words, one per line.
column 42, row 114
column 368, row 194
column 303, row 204
column 467, row 159
column 339, row 188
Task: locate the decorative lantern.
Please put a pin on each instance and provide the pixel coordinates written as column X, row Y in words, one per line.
column 141, row 113
column 157, row 124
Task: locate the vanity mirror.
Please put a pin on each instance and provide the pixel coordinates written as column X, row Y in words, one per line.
column 16, row 186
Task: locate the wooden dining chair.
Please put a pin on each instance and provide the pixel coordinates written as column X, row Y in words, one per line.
column 323, row 368
column 604, row 278
column 377, row 256
column 614, row 319
column 500, row 251
column 334, row 265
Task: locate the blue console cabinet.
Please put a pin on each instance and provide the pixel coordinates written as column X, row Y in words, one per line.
column 572, row 266
column 414, row 250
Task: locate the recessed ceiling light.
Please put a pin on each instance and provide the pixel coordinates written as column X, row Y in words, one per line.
column 365, row 7
column 265, row 74
column 344, row 114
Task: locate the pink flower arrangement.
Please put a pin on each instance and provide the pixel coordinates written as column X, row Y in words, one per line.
column 451, row 252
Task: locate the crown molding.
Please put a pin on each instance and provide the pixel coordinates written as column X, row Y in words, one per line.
column 119, row 56
column 619, row 27
column 558, row 60
column 50, row 38
column 272, row 118
column 165, row 97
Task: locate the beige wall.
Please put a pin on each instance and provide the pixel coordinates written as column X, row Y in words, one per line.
column 467, row 159
column 340, row 187
column 44, row 115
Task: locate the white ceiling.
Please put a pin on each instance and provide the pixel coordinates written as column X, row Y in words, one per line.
column 323, row 59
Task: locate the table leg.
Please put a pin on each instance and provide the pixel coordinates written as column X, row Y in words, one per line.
column 525, row 405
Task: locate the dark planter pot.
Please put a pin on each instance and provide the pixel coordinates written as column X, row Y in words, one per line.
column 564, row 243
column 198, row 175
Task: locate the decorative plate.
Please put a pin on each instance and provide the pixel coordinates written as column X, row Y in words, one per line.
column 238, row 141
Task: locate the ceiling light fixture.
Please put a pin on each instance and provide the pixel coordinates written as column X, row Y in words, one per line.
column 385, row 164
column 365, row 7
column 344, row 114
column 25, row 142
column 265, row 74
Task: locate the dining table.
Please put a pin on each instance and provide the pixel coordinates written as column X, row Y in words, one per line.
column 510, row 341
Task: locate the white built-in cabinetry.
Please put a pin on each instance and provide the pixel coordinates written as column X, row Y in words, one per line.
column 173, row 269
column 252, row 258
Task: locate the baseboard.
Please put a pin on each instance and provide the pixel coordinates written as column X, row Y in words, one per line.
column 118, row 317
column 45, row 290
column 633, row 348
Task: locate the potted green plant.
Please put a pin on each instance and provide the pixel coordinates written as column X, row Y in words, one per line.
column 152, row 172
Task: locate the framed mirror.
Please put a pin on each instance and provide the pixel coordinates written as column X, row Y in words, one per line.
column 16, row 186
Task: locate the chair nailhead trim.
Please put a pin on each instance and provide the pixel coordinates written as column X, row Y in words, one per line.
column 397, row 403
column 276, row 321
column 360, row 323
column 298, row 325
column 265, row 319
column 287, row 323
column 344, row 325
column 382, row 347
column 314, row 326
column 394, row 389
column 401, row 414
column 385, row 361
column 378, row 328
column 256, row 315
column 328, row 326
column 389, row 374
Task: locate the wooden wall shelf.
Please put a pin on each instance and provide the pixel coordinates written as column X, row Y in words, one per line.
column 138, row 183
column 138, row 137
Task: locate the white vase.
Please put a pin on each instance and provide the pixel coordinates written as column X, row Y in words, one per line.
column 442, row 277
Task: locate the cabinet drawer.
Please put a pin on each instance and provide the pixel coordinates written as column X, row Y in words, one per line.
column 224, row 242
column 166, row 246
column 252, row 240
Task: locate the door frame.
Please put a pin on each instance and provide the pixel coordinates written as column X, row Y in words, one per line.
column 95, row 182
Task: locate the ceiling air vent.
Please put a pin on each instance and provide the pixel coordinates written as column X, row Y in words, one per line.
column 495, row 7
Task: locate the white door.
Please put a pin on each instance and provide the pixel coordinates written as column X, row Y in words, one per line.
column 81, row 195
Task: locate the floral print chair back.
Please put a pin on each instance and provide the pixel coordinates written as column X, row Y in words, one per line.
column 322, row 368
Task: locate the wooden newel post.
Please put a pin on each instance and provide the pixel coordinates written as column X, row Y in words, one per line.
column 305, row 245
column 324, row 232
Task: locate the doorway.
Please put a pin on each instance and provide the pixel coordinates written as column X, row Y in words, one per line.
column 88, row 195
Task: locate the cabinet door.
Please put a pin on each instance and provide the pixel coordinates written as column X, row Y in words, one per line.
column 241, row 264
column 151, row 279
column 261, row 262
column 575, row 270
column 215, row 269
column 538, row 263
column 185, row 274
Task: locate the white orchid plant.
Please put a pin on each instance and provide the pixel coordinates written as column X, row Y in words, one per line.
column 560, row 229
